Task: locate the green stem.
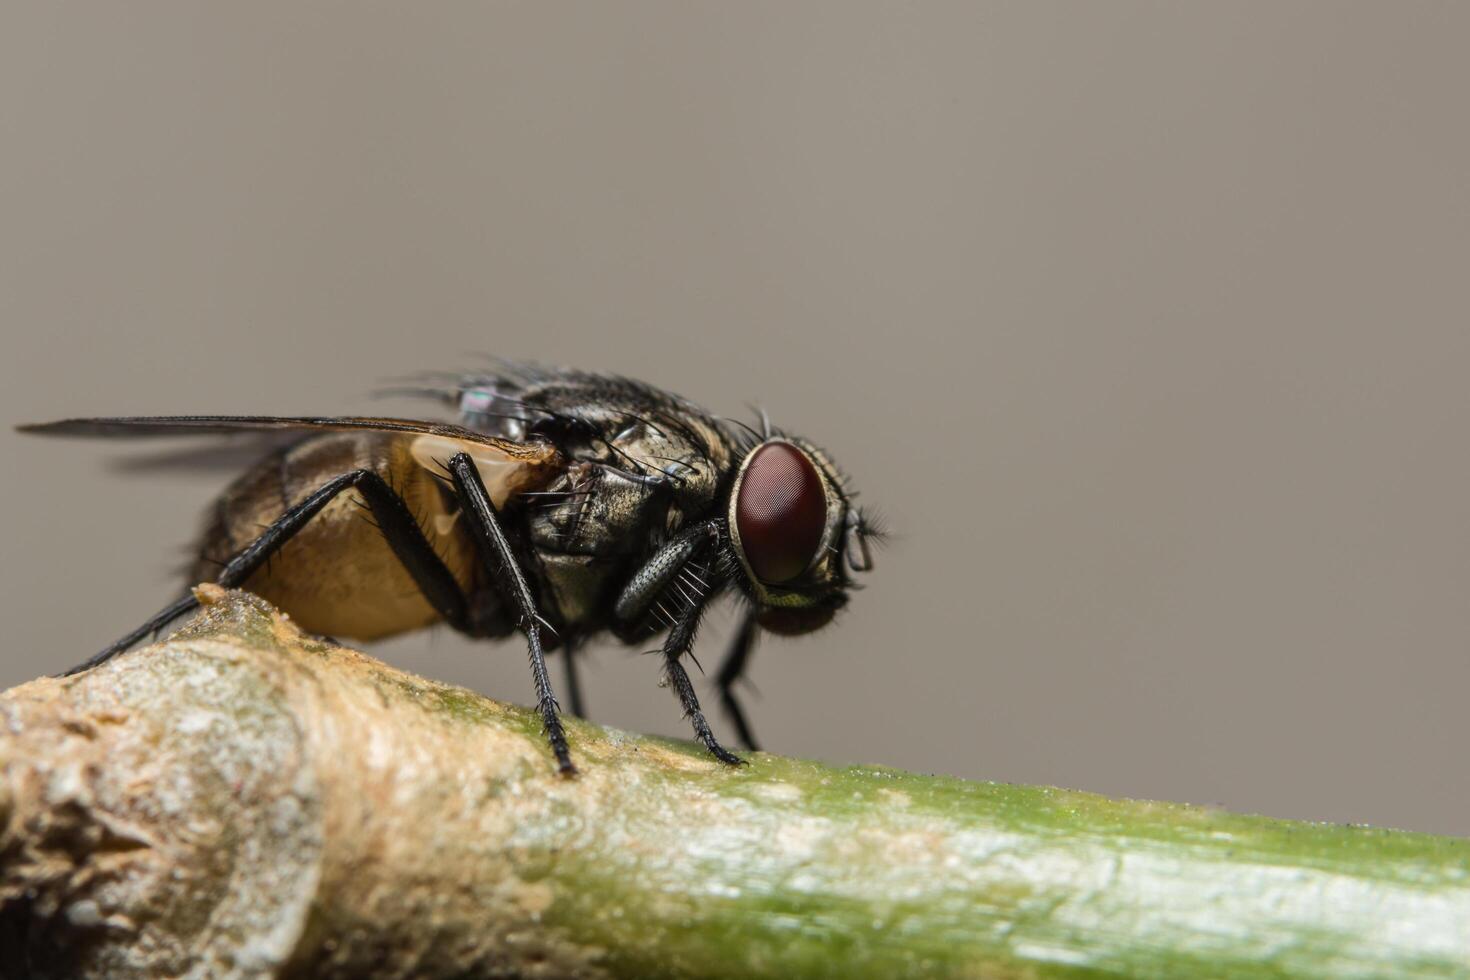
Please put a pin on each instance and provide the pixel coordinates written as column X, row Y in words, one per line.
column 795, row 869
column 428, row 835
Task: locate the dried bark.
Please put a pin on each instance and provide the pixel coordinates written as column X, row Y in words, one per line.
column 245, row 801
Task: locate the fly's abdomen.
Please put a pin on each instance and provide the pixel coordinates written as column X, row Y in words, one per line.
column 338, row 576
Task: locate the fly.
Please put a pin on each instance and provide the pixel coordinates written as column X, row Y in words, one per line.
column 562, row 505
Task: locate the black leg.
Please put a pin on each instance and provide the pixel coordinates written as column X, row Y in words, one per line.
column 732, row 670
column 157, row 622
column 392, row 515
column 574, row 684
column 506, row 572
column 662, row 569
column 676, row 644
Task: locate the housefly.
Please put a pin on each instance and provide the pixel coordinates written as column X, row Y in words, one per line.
column 563, row 504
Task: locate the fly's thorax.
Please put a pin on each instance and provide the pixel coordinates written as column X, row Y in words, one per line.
column 631, row 484
column 687, row 463
column 592, row 509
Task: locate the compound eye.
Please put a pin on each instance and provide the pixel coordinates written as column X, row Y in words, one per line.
column 780, row 512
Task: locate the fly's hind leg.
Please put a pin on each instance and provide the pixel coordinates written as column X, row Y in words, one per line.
column 393, row 516
column 505, row 571
column 155, row 623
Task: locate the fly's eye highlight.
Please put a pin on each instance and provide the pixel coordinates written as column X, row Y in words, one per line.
column 780, row 512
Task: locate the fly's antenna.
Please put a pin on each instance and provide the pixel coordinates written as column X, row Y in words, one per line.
column 863, row 531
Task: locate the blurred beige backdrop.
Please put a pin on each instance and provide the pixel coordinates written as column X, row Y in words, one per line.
column 1147, row 324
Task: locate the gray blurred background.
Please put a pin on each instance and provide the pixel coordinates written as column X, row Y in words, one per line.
column 1146, row 324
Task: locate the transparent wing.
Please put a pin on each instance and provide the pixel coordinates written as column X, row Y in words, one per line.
column 507, row 465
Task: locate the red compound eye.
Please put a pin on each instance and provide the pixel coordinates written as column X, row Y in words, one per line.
column 780, row 512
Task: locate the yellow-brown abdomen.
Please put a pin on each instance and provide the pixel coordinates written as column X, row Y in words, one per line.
column 337, row 576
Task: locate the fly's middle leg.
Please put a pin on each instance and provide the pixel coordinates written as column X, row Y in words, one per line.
column 505, row 571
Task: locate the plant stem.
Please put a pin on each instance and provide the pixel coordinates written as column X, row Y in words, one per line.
column 245, row 801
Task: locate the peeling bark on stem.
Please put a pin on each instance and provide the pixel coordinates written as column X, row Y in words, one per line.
column 245, row 801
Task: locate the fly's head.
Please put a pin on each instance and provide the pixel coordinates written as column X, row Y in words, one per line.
column 796, row 535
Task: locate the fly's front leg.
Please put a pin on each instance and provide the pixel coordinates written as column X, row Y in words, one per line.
column 506, row 572
column 731, row 670
column 644, row 588
column 642, row 593
column 394, row 519
column 679, row 642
